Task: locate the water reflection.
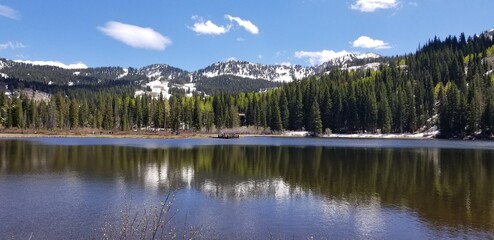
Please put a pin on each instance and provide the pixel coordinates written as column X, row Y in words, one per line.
column 446, row 187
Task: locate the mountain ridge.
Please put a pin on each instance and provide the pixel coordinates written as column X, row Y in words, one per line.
column 165, row 72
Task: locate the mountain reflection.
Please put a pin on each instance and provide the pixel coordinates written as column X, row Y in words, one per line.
column 451, row 188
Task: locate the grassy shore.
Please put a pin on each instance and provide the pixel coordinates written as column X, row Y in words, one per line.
column 95, row 133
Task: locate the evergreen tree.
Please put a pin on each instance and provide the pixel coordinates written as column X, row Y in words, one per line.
column 17, row 113
column 284, row 110
column 197, row 114
column 74, row 114
column 315, row 123
column 276, row 122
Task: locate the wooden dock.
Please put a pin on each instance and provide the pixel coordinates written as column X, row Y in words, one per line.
column 228, row 135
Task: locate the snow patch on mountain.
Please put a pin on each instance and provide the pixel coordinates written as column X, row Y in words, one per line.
column 78, row 65
column 2, row 64
column 351, row 61
column 276, row 73
column 125, row 73
column 163, row 72
column 373, row 66
column 159, row 87
column 367, row 56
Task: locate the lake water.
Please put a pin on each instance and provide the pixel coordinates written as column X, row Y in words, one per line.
column 248, row 188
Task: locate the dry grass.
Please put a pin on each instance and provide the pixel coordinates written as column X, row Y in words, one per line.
column 155, row 222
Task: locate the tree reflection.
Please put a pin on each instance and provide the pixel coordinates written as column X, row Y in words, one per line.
column 447, row 187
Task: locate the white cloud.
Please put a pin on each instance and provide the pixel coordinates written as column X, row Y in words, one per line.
column 246, row 24
column 373, row 5
column 8, row 12
column 11, row 45
column 367, row 42
column 259, row 56
column 208, row 27
column 286, row 64
column 240, row 39
column 78, row 65
column 316, row 58
column 135, row 36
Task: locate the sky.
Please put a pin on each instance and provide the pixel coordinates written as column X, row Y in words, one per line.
column 192, row 34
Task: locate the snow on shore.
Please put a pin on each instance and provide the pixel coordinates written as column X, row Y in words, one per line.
column 389, row 136
column 430, row 134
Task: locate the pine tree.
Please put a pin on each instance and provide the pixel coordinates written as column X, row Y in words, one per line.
column 197, row 114
column 34, row 115
column 17, row 113
column 175, row 114
column 385, row 120
column 276, row 122
column 218, row 107
column 74, row 114
column 298, row 115
column 124, row 125
column 315, row 123
column 3, row 108
column 158, row 116
column 475, row 106
column 52, row 117
column 62, row 110
column 284, row 110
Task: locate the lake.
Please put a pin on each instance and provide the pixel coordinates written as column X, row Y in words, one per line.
column 247, row 188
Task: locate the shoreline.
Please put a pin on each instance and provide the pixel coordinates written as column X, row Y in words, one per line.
column 16, row 133
column 91, row 133
column 101, row 134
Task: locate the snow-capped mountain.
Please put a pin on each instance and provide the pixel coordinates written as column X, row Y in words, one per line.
column 350, row 61
column 489, row 33
column 4, row 63
column 164, row 72
column 243, row 69
column 159, row 79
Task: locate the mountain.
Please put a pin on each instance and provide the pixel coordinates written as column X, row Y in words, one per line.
column 165, row 72
column 347, row 60
column 243, row 69
column 156, row 78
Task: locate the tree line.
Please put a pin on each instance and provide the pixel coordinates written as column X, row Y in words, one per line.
column 446, row 83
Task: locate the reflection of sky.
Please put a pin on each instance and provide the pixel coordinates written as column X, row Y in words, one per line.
column 369, row 219
column 275, row 187
column 156, row 175
column 187, row 176
column 301, row 218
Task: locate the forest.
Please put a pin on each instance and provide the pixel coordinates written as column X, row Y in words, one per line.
column 447, row 84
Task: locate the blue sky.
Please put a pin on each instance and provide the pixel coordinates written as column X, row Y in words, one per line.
column 191, row 34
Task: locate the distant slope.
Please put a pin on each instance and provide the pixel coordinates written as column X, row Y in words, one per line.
column 233, row 84
column 230, row 76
